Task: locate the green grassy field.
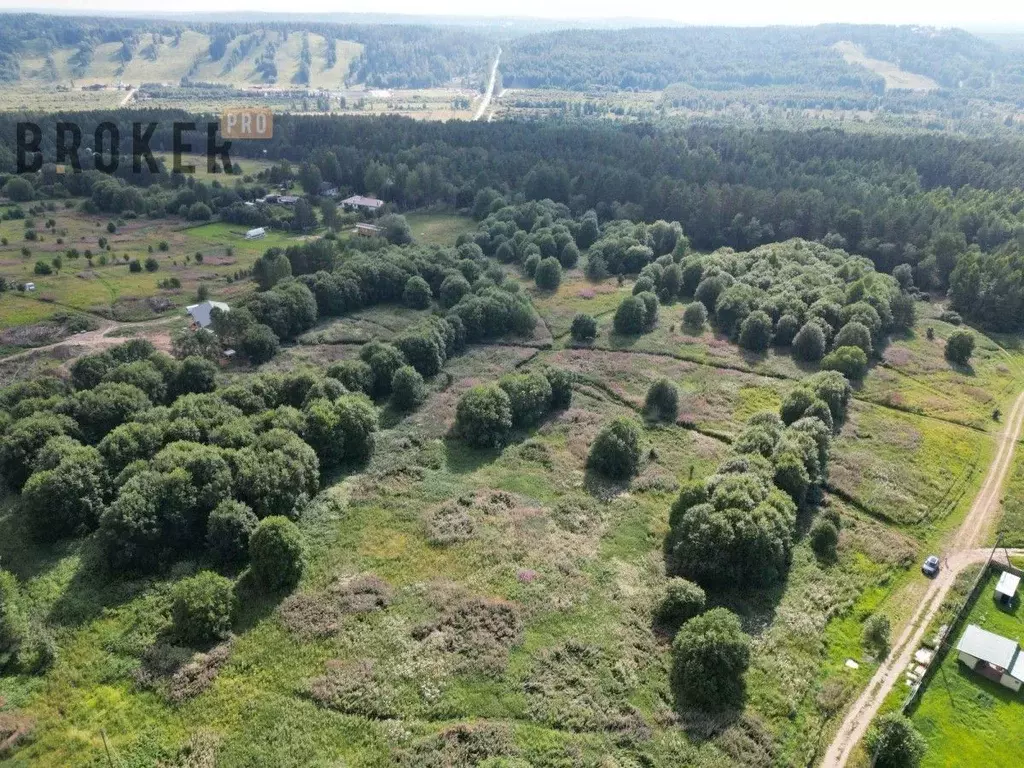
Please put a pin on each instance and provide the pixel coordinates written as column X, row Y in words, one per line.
column 968, row 719
column 585, row 681
column 438, row 228
column 1011, row 526
column 112, row 289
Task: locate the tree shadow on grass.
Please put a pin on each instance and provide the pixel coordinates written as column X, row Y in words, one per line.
column 254, row 603
column 964, row 369
column 94, row 588
column 21, row 552
column 604, row 488
column 463, row 459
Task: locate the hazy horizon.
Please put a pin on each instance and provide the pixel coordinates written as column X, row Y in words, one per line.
column 982, row 16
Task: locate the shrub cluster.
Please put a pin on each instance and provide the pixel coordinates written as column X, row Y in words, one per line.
column 149, row 453
column 486, row 414
column 737, row 527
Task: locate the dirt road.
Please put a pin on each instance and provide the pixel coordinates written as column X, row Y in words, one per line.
column 964, row 549
column 100, row 338
column 485, row 102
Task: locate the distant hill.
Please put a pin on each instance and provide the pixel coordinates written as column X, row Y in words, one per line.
column 335, row 50
column 86, row 50
column 723, row 58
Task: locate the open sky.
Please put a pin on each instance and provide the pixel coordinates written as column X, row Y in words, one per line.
column 995, row 15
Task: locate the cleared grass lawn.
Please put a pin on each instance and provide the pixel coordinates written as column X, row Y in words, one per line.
column 249, row 166
column 112, row 289
column 438, row 228
column 967, row 719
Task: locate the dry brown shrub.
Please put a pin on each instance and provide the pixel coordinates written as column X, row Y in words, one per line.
column 480, row 631
column 460, row 746
column 320, row 614
column 180, row 673
column 354, row 687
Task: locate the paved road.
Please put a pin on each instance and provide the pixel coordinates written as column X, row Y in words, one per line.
column 485, row 102
column 964, row 550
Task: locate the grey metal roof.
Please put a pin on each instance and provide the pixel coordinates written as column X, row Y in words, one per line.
column 988, row 646
column 1017, row 670
column 1007, row 584
column 201, row 312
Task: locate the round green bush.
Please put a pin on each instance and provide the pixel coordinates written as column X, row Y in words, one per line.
column 483, row 417
column 849, row 361
column 530, row 396
column 453, row 288
column 569, row 256
column 631, row 316
column 642, row 284
column 710, row 656
column 616, row 451
column 531, row 264
column 202, row 607
column 695, row 315
column 756, row 331
column 683, row 600
column 355, row 375
column 416, row 293
column 960, row 347
column 854, row 334
column 548, row 274
column 407, row 389
column 228, row 530
column 662, row 401
column 583, row 328
column 895, row 742
column 824, row 538
column 561, row 382
column 276, row 554
column 809, row 343
column 785, row 331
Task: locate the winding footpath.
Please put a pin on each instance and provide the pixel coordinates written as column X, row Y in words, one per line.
column 963, row 550
column 485, row 102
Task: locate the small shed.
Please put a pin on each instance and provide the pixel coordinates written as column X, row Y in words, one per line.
column 200, row 313
column 288, row 199
column 256, row 234
column 367, row 230
column 993, row 656
column 1006, row 588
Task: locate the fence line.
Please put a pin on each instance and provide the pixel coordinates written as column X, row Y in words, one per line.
column 943, row 648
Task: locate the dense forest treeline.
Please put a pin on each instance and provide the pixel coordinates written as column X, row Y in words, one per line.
column 924, row 200
column 723, row 58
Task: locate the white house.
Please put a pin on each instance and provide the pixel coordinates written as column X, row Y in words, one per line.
column 200, row 313
column 361, row 203
column 255, row 234
column 993, row 656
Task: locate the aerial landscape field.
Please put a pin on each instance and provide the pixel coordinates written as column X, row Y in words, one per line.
column 538, row 394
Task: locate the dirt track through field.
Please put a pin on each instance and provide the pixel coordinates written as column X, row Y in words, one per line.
column 92, row 341
column 964, row 549
column 489, row 93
